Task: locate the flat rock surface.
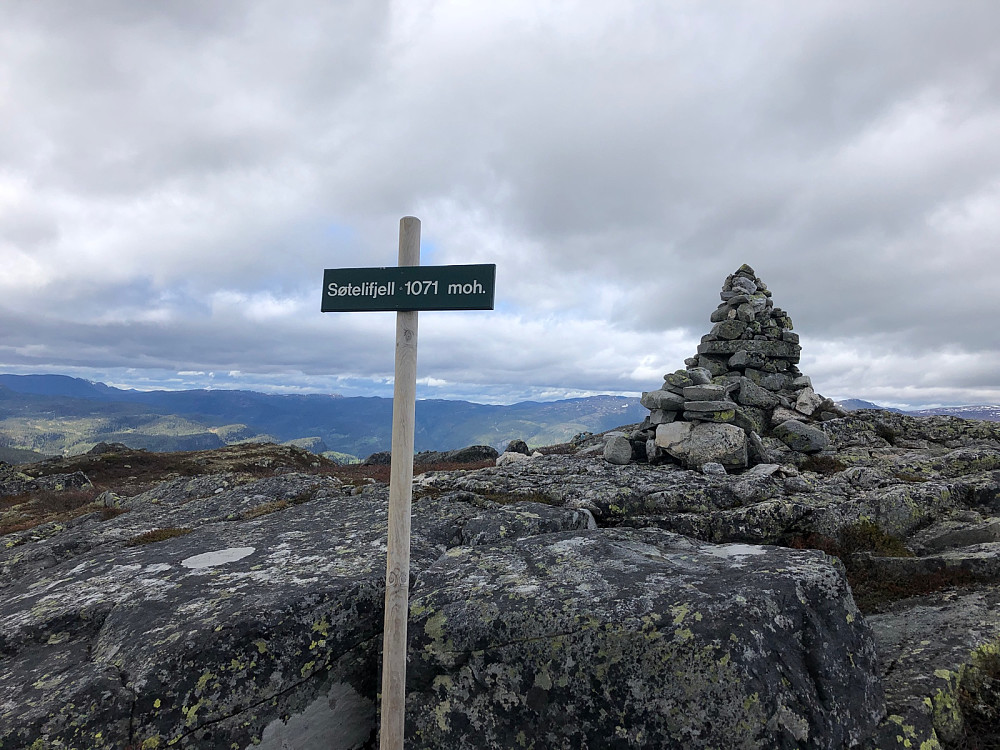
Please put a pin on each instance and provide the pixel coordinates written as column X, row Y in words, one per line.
column 638, row 638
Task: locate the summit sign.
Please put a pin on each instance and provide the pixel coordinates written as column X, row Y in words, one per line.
column 465, row 287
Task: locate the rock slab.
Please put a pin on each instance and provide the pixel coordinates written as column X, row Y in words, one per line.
column 637, row 638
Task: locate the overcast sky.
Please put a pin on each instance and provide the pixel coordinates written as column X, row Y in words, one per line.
column 175, row 176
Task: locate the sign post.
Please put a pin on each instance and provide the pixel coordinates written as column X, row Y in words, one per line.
column 407, row 288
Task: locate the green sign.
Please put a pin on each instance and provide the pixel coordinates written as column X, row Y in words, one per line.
column 409, row 288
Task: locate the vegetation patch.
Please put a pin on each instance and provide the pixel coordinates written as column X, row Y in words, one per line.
column 823, row 464
column 885, row 432
column 509, row 498
column 108, row 513
column 157, row 535
column 979, row 702
column 356, row 474
column 911, row 476
column 560, row 449
column 45, row 506
column 265, row 509
column 868, row 536
column 875, row 589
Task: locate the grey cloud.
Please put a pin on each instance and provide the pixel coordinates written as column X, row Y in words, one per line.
column 616, row 164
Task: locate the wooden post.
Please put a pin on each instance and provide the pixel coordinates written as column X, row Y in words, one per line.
column 397, row 573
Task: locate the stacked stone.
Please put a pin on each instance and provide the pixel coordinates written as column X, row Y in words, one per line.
column 742, row 391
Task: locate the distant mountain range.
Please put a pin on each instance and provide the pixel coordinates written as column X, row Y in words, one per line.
column 55, row 414
column 986, row 412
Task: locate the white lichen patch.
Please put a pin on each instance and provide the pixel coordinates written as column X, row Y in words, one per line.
column 737, row 551
column 569, row 545
column 219, row 557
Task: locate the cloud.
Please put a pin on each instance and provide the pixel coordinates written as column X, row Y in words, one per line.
column 176, row 176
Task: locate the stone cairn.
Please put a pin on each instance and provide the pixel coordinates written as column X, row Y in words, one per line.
column 741, row 401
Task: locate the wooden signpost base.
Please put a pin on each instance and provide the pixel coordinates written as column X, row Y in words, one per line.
column 397, row 573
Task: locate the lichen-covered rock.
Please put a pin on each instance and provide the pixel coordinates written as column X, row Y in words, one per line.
column 618, row 450
column 719, row 443
column 935, row 651
column 801, row 437
column 214, row 636
column 637, row 638
column 252, row 602
column 662, row 400
column 13, row 482
column 468, row 455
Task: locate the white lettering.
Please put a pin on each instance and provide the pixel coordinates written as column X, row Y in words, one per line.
column 473, row 287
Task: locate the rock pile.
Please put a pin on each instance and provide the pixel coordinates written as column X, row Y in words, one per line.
column 742, row 399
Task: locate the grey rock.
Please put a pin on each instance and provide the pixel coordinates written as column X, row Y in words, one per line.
column 774, row 349
column 714, row 469
column 720, row 313
column 700, row 375
column 715, row 365
column 751, row 394
column 661, row 416
column 719, row 634
column 103, row 448
column 654, row 453
column 744, row 285
column 782, row 414
column 674, row 438
column 777, row 381
column 751, row 419
column 381, row 458
column 720, row 405
column 710, row 411
column 727, row 416
column 717, row 443
column 678, row 378
column 510, row 457
column 742, row 360
column 757, row 452
column 933, row 648
column 801, row 437
column 517, row 446
column 704, row 393
column 468, row 455
column 964, row 536
column 618, row 450
column 808, row 401
column 662, row 400
column 93, row 633
column 109, row 499
column 16, row 483
column 271, row 602
column 728, row 329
